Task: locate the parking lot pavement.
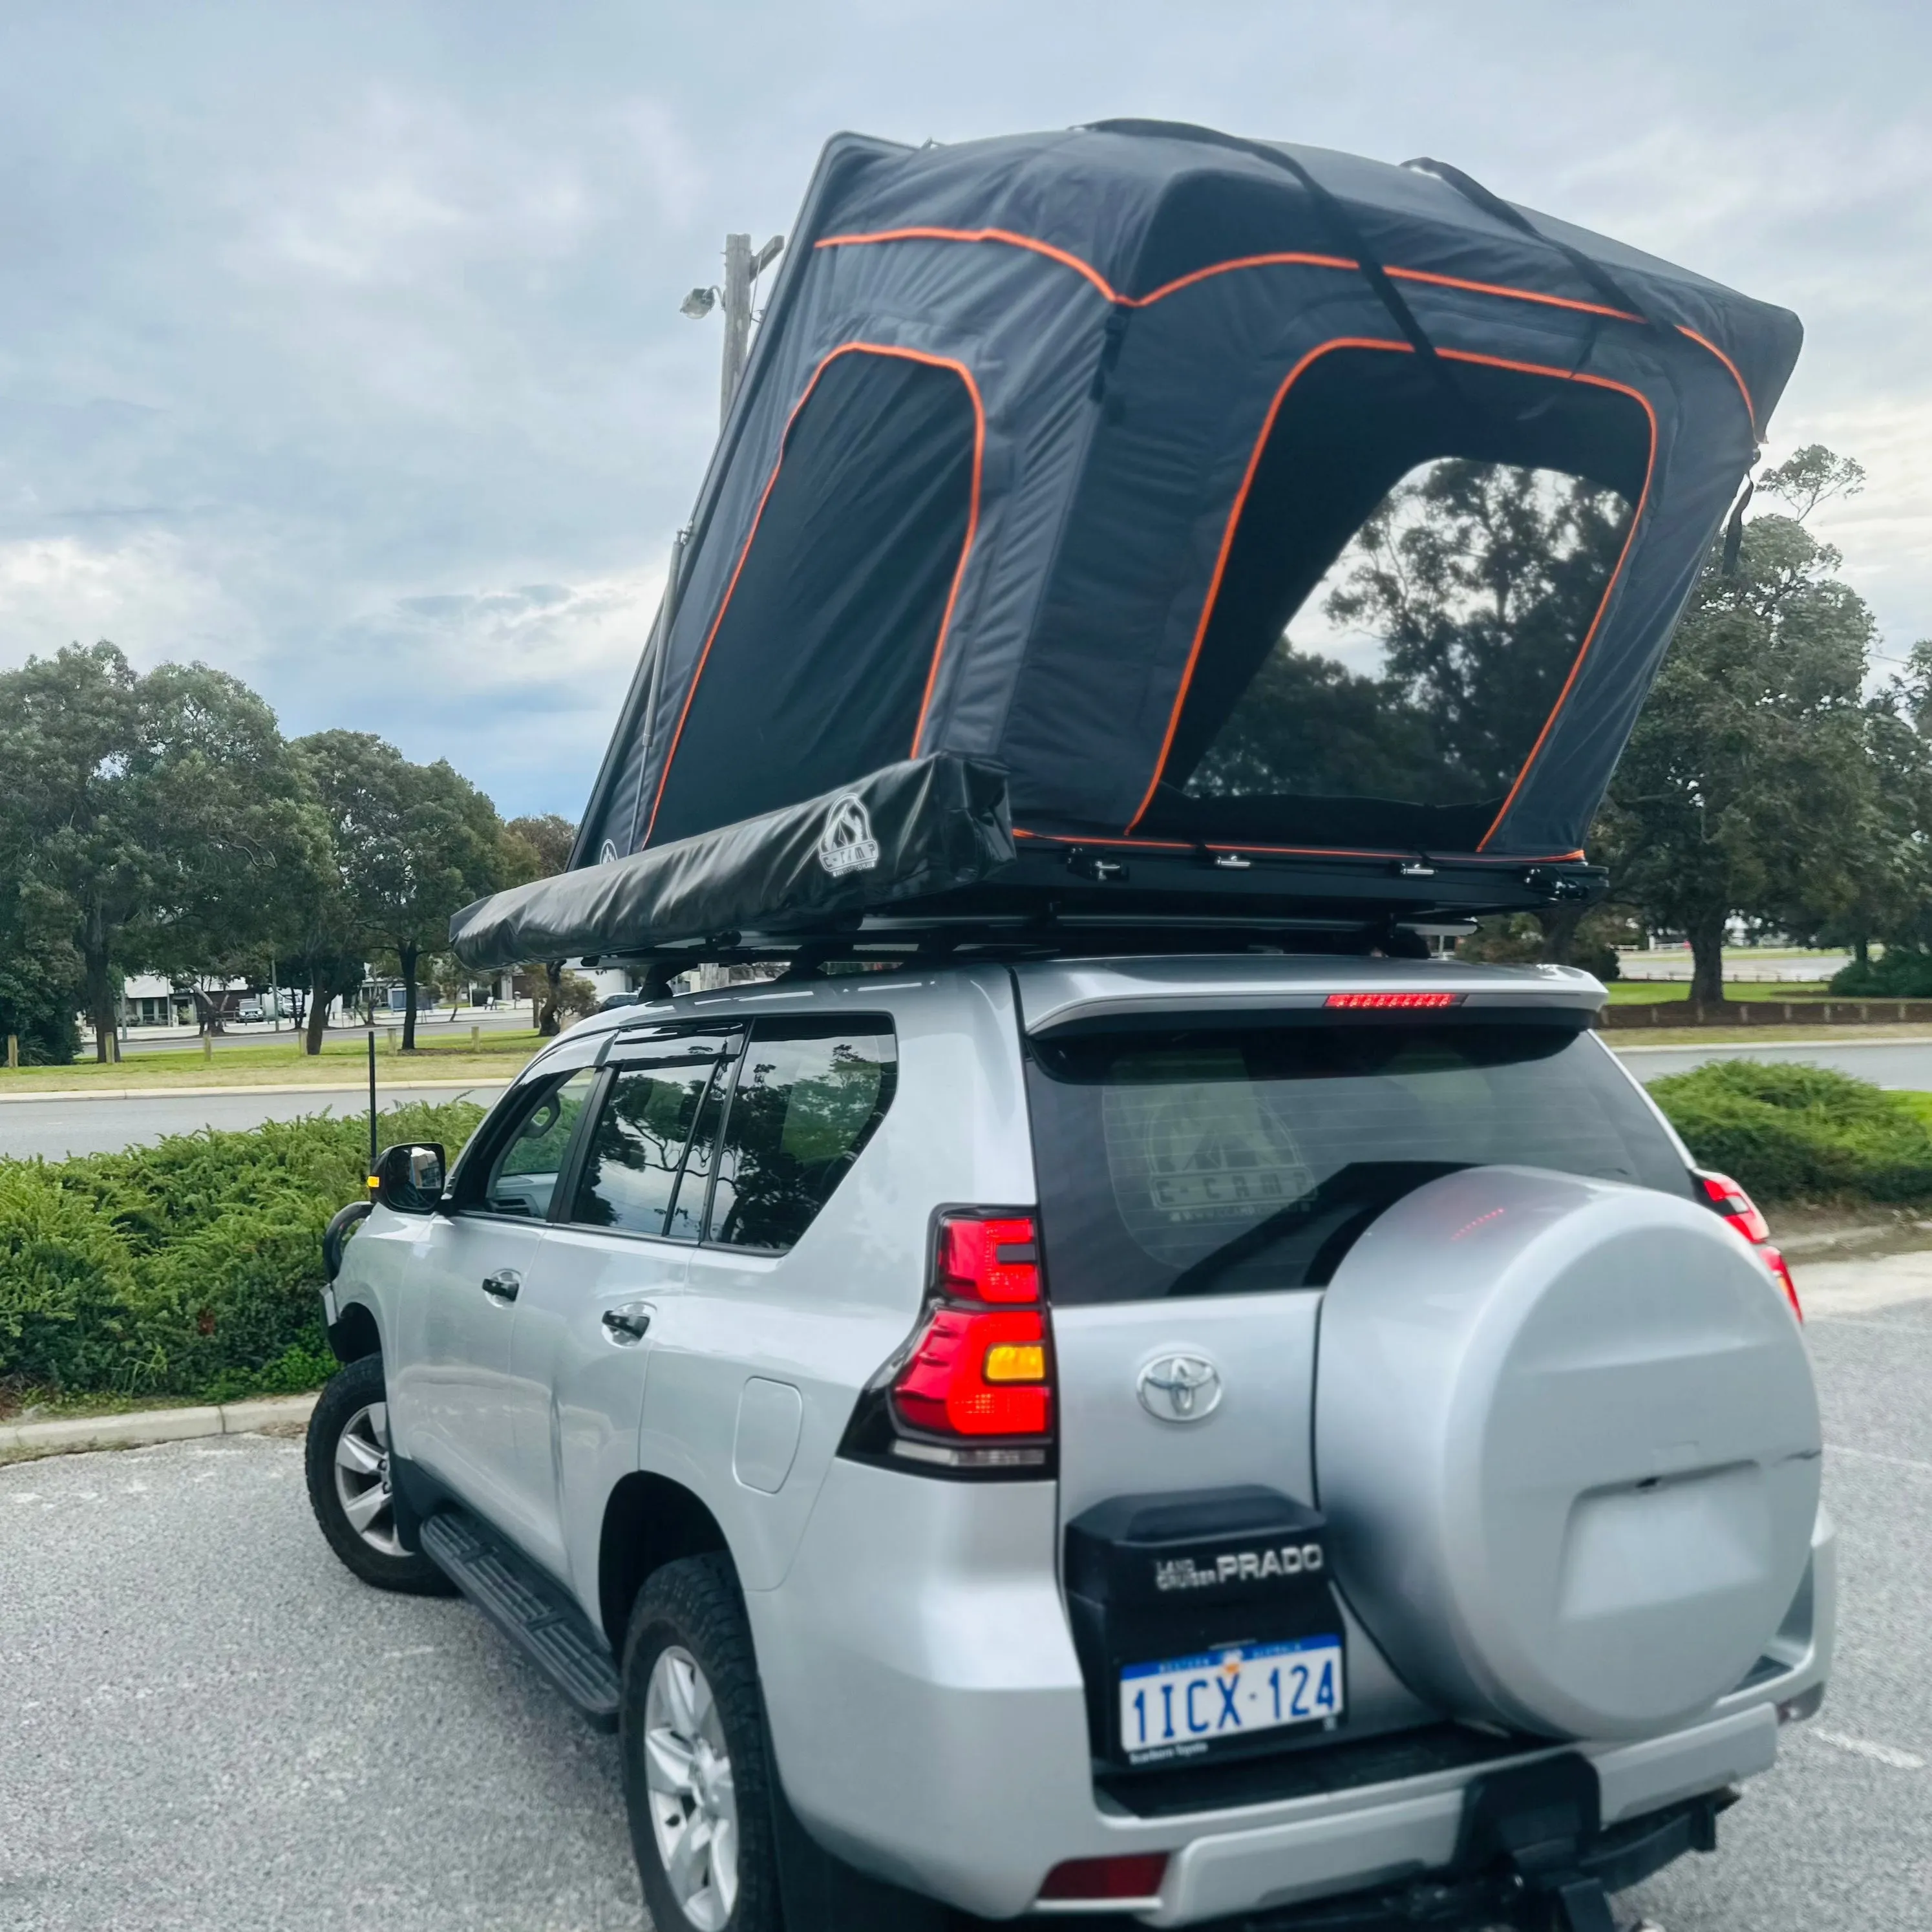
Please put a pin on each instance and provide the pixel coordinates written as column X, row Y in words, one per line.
column 207, row 1726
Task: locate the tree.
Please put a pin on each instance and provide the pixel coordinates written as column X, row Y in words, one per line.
column 146, row 812
column 40, row 973
column 539, row 848
column 1477, row 583
column 1748, row 785
column 414, row 843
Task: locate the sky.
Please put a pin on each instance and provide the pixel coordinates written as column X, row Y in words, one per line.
column 339, row 345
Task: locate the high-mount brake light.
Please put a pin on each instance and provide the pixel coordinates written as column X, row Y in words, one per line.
column 1130, row 1875
column 975, row 1390
column 1729, row 1199
column 1385, row 1002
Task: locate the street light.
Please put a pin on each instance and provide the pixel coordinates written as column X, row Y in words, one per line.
column 741, row 269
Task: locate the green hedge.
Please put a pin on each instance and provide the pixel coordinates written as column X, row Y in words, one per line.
column 1791, row 1132
column 189, row 1267
column 1899, row 973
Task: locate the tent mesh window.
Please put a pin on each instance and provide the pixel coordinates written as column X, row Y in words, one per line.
column 817, row 663
column 1418, row 561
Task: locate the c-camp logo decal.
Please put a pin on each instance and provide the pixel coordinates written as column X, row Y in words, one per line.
column 847, row 844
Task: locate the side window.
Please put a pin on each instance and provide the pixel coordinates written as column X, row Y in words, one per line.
column 805, row 1104
column 638, row 1147
column 522, row 1172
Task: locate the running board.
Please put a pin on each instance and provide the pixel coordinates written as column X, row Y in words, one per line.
column 534, row 1613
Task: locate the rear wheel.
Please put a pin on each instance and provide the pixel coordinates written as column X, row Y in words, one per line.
column 696, row 1777
column 348, row 1469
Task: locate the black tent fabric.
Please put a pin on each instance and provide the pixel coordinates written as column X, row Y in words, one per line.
column 1050, row 447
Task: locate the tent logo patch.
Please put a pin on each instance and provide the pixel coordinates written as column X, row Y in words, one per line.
column 847, row 844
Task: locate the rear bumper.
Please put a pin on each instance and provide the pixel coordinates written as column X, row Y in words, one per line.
column 929, row 1721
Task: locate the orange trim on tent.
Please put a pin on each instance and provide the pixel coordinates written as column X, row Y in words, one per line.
column 1093, row 275
column 1241, row 500
column 965, row 549
column 1241, row 261
column 1515, row 295
column 1006, row 235
column 1743, row 388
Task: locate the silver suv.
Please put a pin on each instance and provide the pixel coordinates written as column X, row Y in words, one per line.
column 1284, row 1440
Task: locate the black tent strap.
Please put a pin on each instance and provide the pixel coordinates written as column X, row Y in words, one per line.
column 1586, row 265
column 1341, row 225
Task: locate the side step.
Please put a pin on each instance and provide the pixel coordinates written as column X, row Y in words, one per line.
column 535, row 1613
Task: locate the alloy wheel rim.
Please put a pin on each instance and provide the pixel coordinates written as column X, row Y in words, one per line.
column 362, row 1478
column 694, row 1801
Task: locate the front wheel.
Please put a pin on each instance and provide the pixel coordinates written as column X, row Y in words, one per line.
column 696, row 1774
column 348, row 1469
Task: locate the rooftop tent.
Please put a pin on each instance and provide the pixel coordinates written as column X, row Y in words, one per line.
column 1226, row 499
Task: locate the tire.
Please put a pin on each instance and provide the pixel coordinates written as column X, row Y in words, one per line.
column 692, row 1737
column 347, row 1462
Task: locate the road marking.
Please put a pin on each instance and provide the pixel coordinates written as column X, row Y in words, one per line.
column 1889, row 1754
column 1874, row 1455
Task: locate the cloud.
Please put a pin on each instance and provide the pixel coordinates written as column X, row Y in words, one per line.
column 339, row 345
column 146, row 594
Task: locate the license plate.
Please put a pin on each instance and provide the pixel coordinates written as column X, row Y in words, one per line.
column 1222, row 1695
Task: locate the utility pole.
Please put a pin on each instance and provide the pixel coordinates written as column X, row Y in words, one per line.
column 742, row 268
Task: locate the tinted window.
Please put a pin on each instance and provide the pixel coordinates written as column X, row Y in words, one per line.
column 637, row 1146
column 1200, row 1163
column 522, row 1173
column 804, row 1107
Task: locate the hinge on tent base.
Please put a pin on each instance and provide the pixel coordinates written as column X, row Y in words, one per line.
column 1091, row 865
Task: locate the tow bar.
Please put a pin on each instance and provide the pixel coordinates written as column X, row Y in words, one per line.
column 1532, row 1855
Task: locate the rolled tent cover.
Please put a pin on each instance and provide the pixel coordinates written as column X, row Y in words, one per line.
column 1227, row 496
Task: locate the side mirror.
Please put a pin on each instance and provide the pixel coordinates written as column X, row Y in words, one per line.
column 408, row 1179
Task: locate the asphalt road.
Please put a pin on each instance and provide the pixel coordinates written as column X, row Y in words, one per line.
column 54, row 1128
column 207, row 1726
column 1887, row 1063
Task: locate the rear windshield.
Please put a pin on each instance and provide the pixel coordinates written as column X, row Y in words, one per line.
column 1195, row 1162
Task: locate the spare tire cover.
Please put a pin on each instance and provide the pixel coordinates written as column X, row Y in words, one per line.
column 1568, row 1445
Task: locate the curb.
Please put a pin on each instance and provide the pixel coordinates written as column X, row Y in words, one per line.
column 299, row 1087
column 21, row 1441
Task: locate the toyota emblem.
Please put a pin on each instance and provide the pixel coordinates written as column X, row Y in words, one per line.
column 1180, row 1388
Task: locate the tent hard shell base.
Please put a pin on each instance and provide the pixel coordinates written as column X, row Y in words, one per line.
column 922, row 856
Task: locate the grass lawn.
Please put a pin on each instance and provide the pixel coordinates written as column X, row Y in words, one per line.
column 497, row 1057
column 1648, row 992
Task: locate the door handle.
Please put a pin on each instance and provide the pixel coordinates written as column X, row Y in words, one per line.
column 503, row 1284
column 627, row 1323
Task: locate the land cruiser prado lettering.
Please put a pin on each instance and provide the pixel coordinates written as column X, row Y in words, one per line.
column 1114, row 1379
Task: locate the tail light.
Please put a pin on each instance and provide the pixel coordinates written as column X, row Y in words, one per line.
column 1135, row 1875
column 973, row 1390
column 1729, row 1199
